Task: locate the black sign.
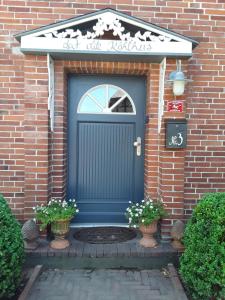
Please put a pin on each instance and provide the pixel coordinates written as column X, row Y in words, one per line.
column 176, row 134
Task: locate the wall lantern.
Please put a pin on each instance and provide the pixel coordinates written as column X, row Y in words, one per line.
column 178, row 80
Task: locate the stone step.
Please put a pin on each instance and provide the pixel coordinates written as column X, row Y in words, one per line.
column 129, row 254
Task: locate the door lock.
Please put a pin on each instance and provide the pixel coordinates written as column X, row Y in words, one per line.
column 137, row 144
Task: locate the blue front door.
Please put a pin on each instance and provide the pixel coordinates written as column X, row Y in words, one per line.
column 106, row 116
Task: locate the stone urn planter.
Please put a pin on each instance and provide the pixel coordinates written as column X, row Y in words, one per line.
column 60, row 229
column 58, row 213
column 177, row 233
column 147, row 232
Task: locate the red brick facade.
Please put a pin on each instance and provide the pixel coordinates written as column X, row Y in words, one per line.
column 33, row 160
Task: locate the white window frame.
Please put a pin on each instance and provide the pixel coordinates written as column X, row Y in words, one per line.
column 106, row 111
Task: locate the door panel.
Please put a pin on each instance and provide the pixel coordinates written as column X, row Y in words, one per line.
column 104, row 172
column 105, row 167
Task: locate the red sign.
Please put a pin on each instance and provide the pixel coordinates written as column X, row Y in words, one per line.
column 175, row 106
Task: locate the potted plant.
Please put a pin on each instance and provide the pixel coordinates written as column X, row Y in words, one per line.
column 58, row 213
column 145, row 215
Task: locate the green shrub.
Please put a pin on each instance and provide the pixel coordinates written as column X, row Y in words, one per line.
column 202, row 265
column 11, row 251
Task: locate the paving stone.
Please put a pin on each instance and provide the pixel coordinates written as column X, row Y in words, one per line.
column 144, row 278
column 123, row 249
column 79, row 249
column 103, row 284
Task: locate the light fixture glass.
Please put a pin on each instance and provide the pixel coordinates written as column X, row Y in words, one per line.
column 178, row 80
column 178, row 88
column 178, row 83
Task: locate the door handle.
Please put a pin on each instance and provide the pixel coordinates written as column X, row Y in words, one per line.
column 137, row 144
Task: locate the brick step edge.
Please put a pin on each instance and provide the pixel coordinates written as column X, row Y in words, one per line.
column 180, row 294
column 34, row 275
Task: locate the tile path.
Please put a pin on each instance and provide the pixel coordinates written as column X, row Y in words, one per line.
column 102, row 284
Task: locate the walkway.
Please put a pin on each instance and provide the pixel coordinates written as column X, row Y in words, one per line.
column 102, row 284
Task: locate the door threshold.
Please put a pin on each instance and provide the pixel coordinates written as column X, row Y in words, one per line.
column 79, row 225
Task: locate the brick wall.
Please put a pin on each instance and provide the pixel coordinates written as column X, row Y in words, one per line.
column 36, row 133
column 33, row 162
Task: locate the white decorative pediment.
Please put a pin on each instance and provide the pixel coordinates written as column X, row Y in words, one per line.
column 105, row 24
column 106, row 32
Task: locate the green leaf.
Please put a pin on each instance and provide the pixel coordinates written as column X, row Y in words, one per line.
column 202, row 265
column 11, row 251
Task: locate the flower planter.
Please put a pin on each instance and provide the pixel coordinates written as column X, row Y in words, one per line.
column 58, row 213
column 145, row 212
column 147, row 232
column 60, row 229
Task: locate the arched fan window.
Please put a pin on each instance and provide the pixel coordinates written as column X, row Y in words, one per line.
column 106, row 99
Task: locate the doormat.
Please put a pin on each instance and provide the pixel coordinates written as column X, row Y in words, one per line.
column 104, row 235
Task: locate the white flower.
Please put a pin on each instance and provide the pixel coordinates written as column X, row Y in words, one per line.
column 130, row 202
column 136, row 215
column 135, row 226
column 142, row 220
column 137, row 204
column 142, row 201
column 77, row 210
column 34, row 208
